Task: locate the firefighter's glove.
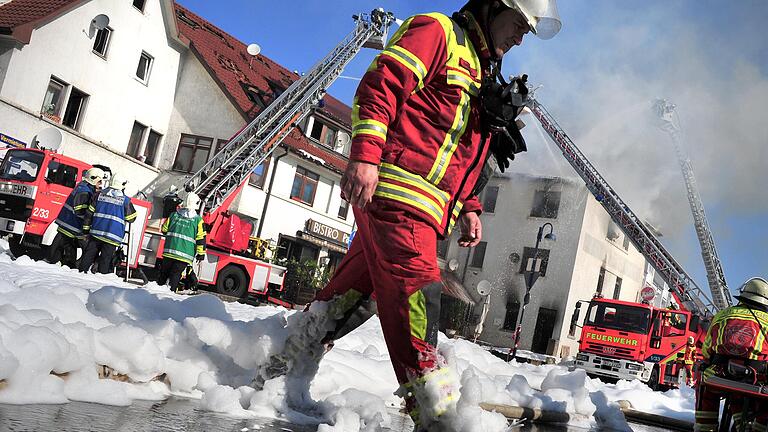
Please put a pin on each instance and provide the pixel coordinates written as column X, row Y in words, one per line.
column 505, row 144
column 199, row 257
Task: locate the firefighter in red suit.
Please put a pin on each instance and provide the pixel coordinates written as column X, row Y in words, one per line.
column 737, row 334
column 419, row 145
column 689, row 359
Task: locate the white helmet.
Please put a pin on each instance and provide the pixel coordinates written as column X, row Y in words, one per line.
column 94, row 176
column 118, row 181
column 191, row 202
column 541, row 15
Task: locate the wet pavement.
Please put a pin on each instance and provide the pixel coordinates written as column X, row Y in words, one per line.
column 169, row 415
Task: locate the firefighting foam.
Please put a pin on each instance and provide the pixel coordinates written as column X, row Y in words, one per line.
column 60, row 330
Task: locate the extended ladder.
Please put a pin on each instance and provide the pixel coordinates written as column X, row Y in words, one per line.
column 231, row 166
column 721, row 296
column 682, row 285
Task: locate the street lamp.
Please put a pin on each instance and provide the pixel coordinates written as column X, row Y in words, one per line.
column 531, row 273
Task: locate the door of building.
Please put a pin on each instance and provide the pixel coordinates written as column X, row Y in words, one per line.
column 545, row 325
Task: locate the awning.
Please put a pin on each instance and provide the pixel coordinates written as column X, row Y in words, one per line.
column 321, row 242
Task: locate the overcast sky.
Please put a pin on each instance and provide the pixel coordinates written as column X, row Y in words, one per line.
column 599, row 77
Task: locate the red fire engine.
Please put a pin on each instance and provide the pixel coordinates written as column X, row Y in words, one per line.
column 34, row 184
column 626, row 340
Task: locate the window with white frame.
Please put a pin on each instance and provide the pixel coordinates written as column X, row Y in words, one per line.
column 139, row 4
column 151, row 148
column 54, row 100
column 101, row 42
column 136, row 139
column 145, row 67
column 73, row 112
column 64, row 104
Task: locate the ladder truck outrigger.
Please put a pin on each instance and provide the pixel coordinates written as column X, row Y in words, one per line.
column 627, row 340
column 227, row 265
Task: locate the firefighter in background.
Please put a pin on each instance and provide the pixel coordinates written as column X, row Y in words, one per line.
column 689, row 359
column 70, row 235
column 737, row 334
column 106, row 222
column 426, row 116
column 184, row 242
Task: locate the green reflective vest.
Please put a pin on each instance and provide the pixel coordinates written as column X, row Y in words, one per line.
column 184, row 236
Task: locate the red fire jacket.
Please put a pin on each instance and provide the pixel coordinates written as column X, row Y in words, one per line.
column 416, row 115
column 734, row 332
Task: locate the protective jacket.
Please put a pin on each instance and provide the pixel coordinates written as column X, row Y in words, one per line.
column 416, row 114
column 71, row 216
column 689, row 355
column 184, row 236
column 735, row 332
column 108, row 214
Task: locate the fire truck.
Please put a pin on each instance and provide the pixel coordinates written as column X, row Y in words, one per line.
column 625, row 340
column 34, row 184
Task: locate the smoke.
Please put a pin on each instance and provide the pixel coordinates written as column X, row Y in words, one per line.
column 603, row 77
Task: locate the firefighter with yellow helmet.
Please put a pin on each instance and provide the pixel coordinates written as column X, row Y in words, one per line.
column 736, row 337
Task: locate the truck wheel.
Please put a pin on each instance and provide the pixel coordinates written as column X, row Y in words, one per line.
column 232, row 282
column 653, row 381
column 15, row 245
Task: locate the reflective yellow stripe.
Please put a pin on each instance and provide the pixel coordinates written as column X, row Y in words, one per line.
column 417, row 313
column 409, row 60
column 410, row 197
column 463, row 81
column 451, row 141
column 394, row 172
column 370, row 127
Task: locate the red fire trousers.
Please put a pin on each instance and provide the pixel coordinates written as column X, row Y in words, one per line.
column 393, row 257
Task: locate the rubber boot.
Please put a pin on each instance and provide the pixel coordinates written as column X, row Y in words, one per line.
column 311, row 336
column 431, row 400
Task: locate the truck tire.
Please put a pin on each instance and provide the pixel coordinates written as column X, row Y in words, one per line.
column 232, row 281
column 14, row 242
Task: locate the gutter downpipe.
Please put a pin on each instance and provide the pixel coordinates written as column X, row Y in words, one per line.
column 269, row 193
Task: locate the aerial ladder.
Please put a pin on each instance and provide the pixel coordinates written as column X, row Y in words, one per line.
column 715, row 275
column 229, row 169
column 682, row 286
column 219, row 181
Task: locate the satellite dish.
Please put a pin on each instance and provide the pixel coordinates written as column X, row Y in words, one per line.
column 483, row 287
column 100, row 22
column 342, row 139
column 49, row 139
column 453, row 264
column 253, row 49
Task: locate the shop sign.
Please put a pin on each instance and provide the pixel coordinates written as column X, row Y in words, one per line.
column 8, row 141
column 326, row 232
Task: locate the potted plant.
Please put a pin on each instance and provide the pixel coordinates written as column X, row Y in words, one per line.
column 49, row 112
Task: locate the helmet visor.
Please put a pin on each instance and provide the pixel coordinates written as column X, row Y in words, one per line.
column 541, row 15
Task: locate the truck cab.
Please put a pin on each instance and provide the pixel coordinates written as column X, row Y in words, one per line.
column 34, row 184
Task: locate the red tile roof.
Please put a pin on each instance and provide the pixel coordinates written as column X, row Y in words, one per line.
column 229, row 63
column 18, row 14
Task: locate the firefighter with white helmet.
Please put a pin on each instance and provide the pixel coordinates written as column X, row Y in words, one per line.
column 736, row 335
column 428, row 113
column 106, row 220
column 184, row 242
column 70, row 235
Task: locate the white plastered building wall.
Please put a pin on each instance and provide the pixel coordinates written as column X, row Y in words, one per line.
column 62, row 48
column 575, row 259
